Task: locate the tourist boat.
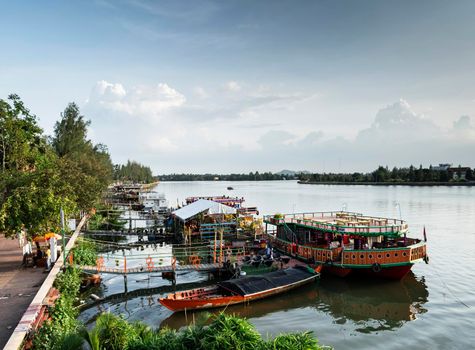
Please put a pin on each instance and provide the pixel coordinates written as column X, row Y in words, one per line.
column 347, row 243
column 154, row 202
column 230, row 188
column 237, row 291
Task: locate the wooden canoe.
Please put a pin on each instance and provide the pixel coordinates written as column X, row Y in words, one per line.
column 240, row 290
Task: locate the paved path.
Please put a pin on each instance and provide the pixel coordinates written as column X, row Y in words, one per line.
column 17, row 287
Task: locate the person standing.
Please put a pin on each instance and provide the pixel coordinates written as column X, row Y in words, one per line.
column 48, row 259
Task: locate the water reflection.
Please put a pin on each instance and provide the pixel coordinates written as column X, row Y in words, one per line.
column 371, row 305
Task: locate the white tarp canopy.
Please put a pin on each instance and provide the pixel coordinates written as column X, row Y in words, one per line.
column 200, row 206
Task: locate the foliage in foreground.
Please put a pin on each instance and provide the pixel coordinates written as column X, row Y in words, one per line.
column 57, row 332
column 64, row 332
column 223, row 332
column 85, row 253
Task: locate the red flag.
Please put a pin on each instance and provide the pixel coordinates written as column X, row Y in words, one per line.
column 425, row 236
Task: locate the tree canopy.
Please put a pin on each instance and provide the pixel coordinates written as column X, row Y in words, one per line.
column 38, row 177
column 134, row 172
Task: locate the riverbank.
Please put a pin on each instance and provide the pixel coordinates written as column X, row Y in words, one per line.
column 450, row 184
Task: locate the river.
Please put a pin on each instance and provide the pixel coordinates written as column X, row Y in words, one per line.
column 433, row 307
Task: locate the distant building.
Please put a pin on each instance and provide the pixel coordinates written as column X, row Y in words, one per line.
column 459, row 173
column 442, row 167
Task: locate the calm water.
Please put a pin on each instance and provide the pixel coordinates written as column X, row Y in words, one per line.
column 433, row 307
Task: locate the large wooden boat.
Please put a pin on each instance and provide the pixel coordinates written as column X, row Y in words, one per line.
column 347, row 243
column 240, row 290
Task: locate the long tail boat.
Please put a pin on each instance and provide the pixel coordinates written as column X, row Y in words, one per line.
column 242, row 290
column 347, row 243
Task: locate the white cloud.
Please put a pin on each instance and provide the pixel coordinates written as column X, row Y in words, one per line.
column 138, row 101
column 232, row 86
column 463, row 123
column 398, row 123
column 200, row 92
column 262, row 128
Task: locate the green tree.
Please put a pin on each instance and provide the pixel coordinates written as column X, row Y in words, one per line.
column 71, row 132
column 87, row 167
column 32, row 189
column 21, row 139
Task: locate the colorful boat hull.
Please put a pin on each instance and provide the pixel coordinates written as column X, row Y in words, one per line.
column 194, row 299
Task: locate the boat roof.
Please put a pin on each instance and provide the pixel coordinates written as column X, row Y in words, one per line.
column 200, row 206
column 342, row 222
column 260, row 283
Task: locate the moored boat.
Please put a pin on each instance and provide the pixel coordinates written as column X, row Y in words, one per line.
column 240, row 290
column 347, row 243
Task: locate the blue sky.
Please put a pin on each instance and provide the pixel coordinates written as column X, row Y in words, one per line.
column 231, row 86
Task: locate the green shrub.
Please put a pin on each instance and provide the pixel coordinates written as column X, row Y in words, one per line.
column 85, row 253
column 230, row 332
column 294, row 341
column 69, row 281
column 114, row 332
column 63, row 323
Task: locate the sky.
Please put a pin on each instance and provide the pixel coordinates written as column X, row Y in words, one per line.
column 240, row 86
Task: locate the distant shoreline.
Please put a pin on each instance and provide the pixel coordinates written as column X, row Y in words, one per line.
column 451, row 184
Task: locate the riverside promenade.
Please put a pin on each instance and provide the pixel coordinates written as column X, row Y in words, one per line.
column 18, row 286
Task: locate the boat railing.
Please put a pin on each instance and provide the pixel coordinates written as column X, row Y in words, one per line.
column 340, row 255
column 392, row 226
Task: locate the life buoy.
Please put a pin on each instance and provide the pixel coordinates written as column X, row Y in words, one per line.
column 376, row 267
column 426, row 259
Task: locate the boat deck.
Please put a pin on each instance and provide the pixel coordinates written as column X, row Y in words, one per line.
column 341, row 222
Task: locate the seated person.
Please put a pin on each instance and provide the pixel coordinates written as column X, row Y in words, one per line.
column 39, row 256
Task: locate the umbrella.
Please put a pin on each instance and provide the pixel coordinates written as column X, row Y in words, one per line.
column 46, row 237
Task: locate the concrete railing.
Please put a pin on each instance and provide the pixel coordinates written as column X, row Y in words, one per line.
column 29, row 317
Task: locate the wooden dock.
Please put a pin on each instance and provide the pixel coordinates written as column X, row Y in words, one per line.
column 152, row 269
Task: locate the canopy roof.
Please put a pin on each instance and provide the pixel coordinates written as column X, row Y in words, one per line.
column 200, row 206
column 255, row 284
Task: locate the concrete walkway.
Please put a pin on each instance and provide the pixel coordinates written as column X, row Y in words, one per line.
column 18, row 287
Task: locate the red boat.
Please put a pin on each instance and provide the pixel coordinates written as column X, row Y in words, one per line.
column 240, row 290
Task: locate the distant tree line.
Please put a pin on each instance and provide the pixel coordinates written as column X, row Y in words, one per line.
column 384, row 174
column 252, row 176
column 133, row 172
column 40, row 174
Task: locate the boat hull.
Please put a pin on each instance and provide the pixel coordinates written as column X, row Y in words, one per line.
column 215, row 302
column 390, row 272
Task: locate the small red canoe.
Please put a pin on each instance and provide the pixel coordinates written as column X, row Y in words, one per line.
column 240, row 290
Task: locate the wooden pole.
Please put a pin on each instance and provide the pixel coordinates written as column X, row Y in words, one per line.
column 214, row 251
column 221, row 246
